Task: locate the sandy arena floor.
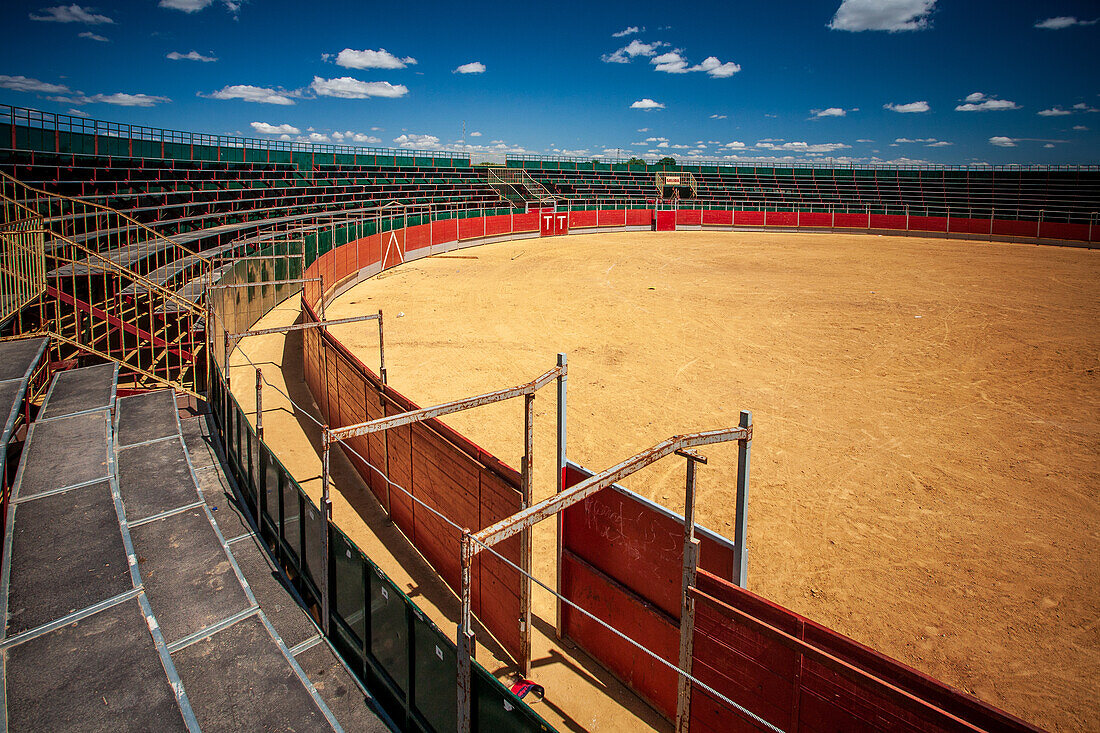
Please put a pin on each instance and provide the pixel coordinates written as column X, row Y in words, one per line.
column 926, row 456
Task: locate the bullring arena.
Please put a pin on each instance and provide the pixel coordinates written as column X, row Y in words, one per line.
column 368, row 439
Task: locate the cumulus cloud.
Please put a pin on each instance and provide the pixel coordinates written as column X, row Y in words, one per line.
column 70, row 14
column 1002, row 142
column 121, row 99
column 249, row 93
column 354, row 137
column 92, row 36
column 909, row 108
column 474, row 67
column 345, row 87
column 194, row 6
column 829, row 112
column 718, row 117
column 266, row 129
column 1062, row 21
column 646, row 103
column 1080, row 128
column 981, row 102
column 715, row 68
column 631, row 51
column 628, row 31
column 1082, row 107
column 27, row 84
column 349, row 58
column 802, row 147
column 882, row 15
column 673, row 62
column 190, row 56
column 1054, row 111
column 412, row 140
column 475, row 134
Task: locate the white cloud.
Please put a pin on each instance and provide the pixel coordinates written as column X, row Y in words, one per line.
column 1049, row 145
column 629, row 31
column 122, row 99
column 27, row 84
column 266, row 129
column 909, row 108
column 249, row 93
column 656, row 139
column 92, row 36
column 662, row 145
column 882, row 15
column 474, row 67
column 632, row 50
column 646, row 103
column 940, row 144
column 187, row 6
column 1002, row 142
column 670, row 63
column 316, row 137
column 716, row 68
column 1080, row 128
column 803, row 147
column 77, row 112
column 345, row 87
column 829, row 112
column 1054, row 111
column 1062, row 21
column 718, row 117
column 70, row 14
column 981, row 102
column 735, row 145
column 190, row 56
column 864, row 140
column 1082, row 107
column 475, row 134
column 412, row 140
column 349, row 58
column 643, row 129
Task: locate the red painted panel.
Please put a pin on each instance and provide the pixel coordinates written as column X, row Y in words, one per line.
column 781, row 218
column 418, row 237
column 927, row 224
column 718, row 218
column 393, row 248
column 1053, row 230
column 471, row 228
column 561, row 223
column 815, row 219
column 962, row 225
column 689, row 217
column 611, row 218
column 444, row 231
column 525, row 222
column 851, row 221
column 648, row 677
column 1015, row 228
column 368, row 250
column 500, row 224
column 546, row 223
column 888, row 221
column 665, row 221
column 582, row 219
column 639, row 217
column 748, row 218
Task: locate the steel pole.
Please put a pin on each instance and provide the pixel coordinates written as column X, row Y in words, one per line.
column 740, row 553
column 563, row 377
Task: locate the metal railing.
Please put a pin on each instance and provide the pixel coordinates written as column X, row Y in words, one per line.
column 106, row 285
column 22, row 265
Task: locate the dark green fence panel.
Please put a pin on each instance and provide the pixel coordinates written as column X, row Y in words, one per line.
column 435, row 677
column 292, row 525
column 313, row 525
column 349, row 595
column 389, row 642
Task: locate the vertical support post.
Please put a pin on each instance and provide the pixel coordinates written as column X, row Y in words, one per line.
column 562, row 383
column 525, row 537
column 226, row 356
column 381, row 350
column 259, row 405
column 1039, row 225
column 740, row 534
column 326, row 516
column 465, row 641
column 687, row 603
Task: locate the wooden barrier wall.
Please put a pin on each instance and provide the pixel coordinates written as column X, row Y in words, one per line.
column 801, row 676
column 622, row 559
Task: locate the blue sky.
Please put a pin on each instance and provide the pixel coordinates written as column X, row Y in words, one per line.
column 940, row 81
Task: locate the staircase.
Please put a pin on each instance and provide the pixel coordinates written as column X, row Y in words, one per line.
column 517, row 187
column 100, row 283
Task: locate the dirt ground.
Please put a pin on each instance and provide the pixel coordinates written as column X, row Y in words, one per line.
column 926, row 455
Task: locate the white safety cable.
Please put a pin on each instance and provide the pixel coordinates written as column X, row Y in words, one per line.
column 739, row 708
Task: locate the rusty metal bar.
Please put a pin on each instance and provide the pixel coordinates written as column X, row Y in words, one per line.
column 259, row 405
column 292, row 281
column 687, row 603
column 326, row 517
column 302, row 326
column 525, row 538
column 547, row 508
column 562, row 384
column 465, row 642
column 381, row 350
column 741, row 528
column 426, row 413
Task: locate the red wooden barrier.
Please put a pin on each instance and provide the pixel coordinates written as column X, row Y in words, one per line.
column 665, row 221
column 471, row 228
column 611, row 217
column 816, row 219
column 1015, row 228
column 1054, row 230
column 417, row 237
column 801, row 676
column 748, row 218
column 445, row 231
column 499, row 224
column 582, row 219
column 781, row 218
column 851, row 221
column 639, row 217
column 717, row 218
column 888, row 221
column 689, row 217
column 525, row 222
column 928, row 223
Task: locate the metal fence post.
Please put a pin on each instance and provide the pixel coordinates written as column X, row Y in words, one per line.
column 562, row 384
column 740, row 536
column 687, row 603
column 525, row 538
column 326, row 517
column 465, row 641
